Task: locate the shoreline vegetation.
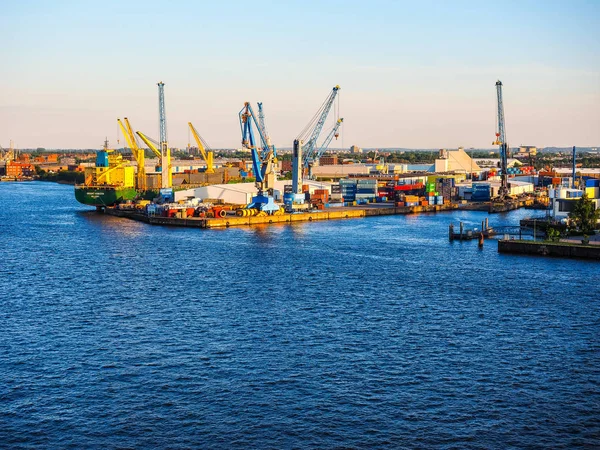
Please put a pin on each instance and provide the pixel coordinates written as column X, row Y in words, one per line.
column 62, row 177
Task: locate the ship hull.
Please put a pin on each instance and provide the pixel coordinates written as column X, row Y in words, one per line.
column 103, row 195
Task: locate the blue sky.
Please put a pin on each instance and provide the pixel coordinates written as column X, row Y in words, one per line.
column 413, row 74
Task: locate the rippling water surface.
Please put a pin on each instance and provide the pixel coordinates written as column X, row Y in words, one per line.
column 369, row 333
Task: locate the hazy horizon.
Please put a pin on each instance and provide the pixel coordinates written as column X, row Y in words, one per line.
column 411, row 76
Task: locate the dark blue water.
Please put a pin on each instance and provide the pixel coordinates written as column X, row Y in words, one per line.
column 368, row 333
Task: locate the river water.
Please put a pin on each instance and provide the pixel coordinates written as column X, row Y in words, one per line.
column 367, row 333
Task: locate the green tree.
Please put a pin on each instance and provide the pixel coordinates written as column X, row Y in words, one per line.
column 553, row 235
column 585, row 215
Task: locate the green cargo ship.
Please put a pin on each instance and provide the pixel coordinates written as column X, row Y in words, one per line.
column 103, row 195
column 110, row 181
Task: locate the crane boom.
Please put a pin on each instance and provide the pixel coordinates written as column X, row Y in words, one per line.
column 501, row 142
column 333, row 133
column 262, row 124
column 314, row 127
column 138, row 153
column 151, row 143
column 311, row 162
column 207, row 155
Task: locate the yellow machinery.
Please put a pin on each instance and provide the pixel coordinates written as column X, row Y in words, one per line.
column 151, row 145
column 138, row 153
column 110, row 170
column 206, row 154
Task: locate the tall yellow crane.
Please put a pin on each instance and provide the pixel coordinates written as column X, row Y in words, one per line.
column 138, row 153
column 206, row 154
column 153, row 146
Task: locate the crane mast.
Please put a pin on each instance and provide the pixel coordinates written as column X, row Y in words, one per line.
column 501, row 142
column 167, row 177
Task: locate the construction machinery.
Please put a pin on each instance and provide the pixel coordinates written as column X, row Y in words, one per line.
column 502, row 144
column 204, row 149
column 138, row 153
column 310, row 135
column 264, row 158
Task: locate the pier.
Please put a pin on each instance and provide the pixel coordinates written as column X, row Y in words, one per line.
column 543, row 248
column 233, row 220
column 486, row 232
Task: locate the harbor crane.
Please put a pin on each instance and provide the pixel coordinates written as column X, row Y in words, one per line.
column 204, row 149
column 165, row 151
column 310, row 135
column 264, row 157
column 138, row 153
column 503, row 144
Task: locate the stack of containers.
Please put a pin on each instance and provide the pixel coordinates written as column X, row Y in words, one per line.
column 481, row 192
column 385, row 192
column 336, row 194
column 411, row 200
column 430, row 193
column 399, row 198
column 320, row 196
column 366, row 190
column 348, row 189
column 592, row 188
column 446, row 190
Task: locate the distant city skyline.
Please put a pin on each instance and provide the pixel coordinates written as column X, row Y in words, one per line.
column 411, row 76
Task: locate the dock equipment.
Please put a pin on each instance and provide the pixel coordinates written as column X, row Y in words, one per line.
column 574, row 167
column 205, row 150
column 263, row 161
column 165, row 151
column 305, row 144
column 502, row 143
column 138, row 153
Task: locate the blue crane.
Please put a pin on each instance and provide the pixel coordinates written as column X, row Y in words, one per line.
column 333, row 133
column 264, row 156
column 167, row 177
column 313, row 129
column 501, row 142
column 310, row 134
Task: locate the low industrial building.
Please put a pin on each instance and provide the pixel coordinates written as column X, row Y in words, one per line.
column 456, row 161
column 242, row 193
